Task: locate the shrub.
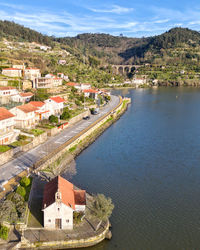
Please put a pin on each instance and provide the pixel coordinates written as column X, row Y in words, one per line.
column 4, row 232
column 21, row 191
column 65, row 115
column 22, row 137
column 25, row 182
column 53, row 119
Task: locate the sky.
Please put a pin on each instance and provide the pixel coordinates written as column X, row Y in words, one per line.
column 131, row 18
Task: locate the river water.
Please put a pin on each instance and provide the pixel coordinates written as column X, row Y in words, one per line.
column 148, row 162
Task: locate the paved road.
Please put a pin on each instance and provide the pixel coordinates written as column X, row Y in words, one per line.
column 24, row 161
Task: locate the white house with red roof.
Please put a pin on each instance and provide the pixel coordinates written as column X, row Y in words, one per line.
column 91, row 93
column 8, row 91
column 31, row 73
column 7, row 122
column 60, row 200
column 22, row 97
column 55, row 105
column 42, row 111
column 25, row 116
column 12, row 72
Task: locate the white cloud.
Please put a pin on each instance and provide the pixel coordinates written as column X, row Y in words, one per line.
column 116, row 9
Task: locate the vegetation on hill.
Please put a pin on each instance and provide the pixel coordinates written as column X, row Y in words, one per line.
column 173, row 56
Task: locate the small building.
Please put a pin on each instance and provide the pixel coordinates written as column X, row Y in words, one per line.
column 42, row 110
column 139, row 81
column 31, row 73
column 8, row 91
column 62, row 62
column 55, row 105
column 43, row 83
column 7, row 122
column 91, row 93
column 24, row 116
column 12, row 72
column 60, row 201
column 22, row 97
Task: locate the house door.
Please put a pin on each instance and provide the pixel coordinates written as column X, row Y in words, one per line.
column 58, row 223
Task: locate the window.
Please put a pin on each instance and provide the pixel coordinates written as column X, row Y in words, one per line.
column 67, row 221
column 49, row 220
column 58, row 209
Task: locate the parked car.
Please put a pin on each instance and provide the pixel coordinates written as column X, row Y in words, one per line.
column 86, row 117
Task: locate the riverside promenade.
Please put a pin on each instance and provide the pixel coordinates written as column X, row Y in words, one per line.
column 26, row 161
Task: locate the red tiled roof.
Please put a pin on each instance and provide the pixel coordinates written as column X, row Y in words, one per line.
column 6, row 88
column 69, row 196
column 37, row 104
column 26, row 94
column 72, row 84
column 90, row 91
column 5, row 114
column 26, row 108
column 11, row 69
column 57, row 99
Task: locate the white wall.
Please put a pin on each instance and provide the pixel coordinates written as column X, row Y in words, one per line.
column 58, row 211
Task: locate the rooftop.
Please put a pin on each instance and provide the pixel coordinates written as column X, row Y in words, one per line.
column 37, row 104
column 26, row 108
column 57, row 99
column 5, row 114
column 69, row 196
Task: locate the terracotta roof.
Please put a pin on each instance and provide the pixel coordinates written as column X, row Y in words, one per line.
column 6, row 88
column 69, row 196
column 72, row 84
column 26, row 108
column 5, row 114
column 57, row 99
column 90, row 91
column 37, row 104
column 26, row 94
column 11, row 69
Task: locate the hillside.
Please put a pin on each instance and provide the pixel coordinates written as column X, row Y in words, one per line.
column 173, row 56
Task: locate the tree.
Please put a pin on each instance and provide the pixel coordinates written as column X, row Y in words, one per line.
column 25, row 182
column 102, row 208
column 65, row 115
column 53, row 119
column 21, row 191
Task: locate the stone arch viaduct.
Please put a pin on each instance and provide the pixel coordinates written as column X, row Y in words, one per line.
column 122, row 69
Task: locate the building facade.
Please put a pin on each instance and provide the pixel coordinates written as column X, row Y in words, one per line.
column 60, row 200
column 12, row 72
column 31, row 73
column 7, row 122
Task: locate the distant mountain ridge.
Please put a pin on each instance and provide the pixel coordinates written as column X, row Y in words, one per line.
column 110, row 49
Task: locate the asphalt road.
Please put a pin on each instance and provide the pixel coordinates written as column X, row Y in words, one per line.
column 27, row 159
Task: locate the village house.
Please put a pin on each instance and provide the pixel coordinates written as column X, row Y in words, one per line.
column 60, row 200
column 6, row 94
column 22, row 97
column 91, row 93
column 139, row 81
column 7, row 122
column 24, row 116
column 12, row 72
column 55, row 105
column 42, row 111
column 56, row 81
column 43, row 83
column 31, row 73
column 8, row 91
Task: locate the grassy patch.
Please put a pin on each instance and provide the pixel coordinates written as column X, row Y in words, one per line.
column 4, row 148
column 4, row 231
column 37, row 132
column 72, row 149
column 47, row 126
